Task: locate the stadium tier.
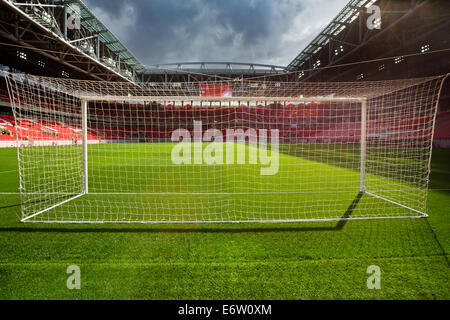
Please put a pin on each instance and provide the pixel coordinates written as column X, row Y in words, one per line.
column 297, row 122
column 294, row 123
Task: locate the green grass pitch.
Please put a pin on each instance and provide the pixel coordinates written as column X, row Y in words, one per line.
column 139, row 182
column 320, row 260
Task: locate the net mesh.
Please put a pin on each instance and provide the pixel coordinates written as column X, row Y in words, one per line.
column 229, row 151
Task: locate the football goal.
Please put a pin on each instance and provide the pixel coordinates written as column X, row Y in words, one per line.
column 222, row 151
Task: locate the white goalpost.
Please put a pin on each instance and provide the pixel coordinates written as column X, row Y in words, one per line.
column 223, row 151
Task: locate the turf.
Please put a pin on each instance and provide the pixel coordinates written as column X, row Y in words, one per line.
column 326, row 260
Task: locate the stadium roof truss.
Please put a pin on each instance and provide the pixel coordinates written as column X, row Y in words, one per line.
column 96, row 51
column 334, row 43
column 194, row 70
column 90, row 49
column 96, row 27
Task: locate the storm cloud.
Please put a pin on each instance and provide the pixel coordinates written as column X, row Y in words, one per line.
column 259, row 31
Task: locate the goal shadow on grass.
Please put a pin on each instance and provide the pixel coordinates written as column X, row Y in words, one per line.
column 15, row 205
column 18, row 204
column 128, row 229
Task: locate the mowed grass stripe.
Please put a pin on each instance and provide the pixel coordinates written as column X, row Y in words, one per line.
column 425, row 278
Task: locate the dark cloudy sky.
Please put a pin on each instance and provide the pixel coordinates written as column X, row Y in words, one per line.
column 259, row 31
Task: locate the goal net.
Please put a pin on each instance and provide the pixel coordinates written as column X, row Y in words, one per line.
column 227, row 151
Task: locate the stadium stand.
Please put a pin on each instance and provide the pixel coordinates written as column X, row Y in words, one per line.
column 295, row 123
column 443, row 130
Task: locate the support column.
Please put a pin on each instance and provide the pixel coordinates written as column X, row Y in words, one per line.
column 65, row 22
column 363, row 145
column 84, row 127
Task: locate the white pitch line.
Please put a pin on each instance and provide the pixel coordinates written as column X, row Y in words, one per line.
column 15, row 170
column 197, row 193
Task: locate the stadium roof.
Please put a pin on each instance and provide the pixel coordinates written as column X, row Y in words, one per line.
column 347, row 15
column 43, row 28
column 216, row 68
column 95, row 26
column 397, row 46
column 344, row 39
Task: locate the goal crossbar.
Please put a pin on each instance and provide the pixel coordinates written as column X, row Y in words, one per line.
column 222, row 99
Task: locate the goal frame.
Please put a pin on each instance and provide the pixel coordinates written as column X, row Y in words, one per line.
column 363, row 150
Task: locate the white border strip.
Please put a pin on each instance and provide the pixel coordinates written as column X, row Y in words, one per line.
column 226, row 222
column 49, row 208
column 423, row 214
